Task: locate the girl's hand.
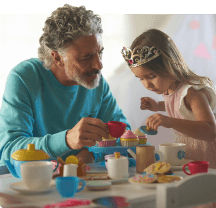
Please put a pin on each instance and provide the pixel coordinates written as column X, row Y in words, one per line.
column 156, row 120
column 149, row 104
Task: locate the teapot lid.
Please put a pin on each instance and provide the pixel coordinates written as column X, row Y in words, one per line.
column 29, row 154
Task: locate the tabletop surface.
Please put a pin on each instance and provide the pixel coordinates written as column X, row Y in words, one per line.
column 134, row 194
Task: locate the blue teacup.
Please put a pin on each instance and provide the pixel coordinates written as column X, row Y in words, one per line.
column 68, row 186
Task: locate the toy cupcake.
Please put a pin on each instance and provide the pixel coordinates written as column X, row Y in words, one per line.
column 141, row 136
column 107, row 142
column 129, row 139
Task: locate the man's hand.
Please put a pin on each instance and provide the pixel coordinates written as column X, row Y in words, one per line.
column 86, row 132
column 85, row 156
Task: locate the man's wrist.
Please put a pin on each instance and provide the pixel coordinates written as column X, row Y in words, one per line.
column 66, row 139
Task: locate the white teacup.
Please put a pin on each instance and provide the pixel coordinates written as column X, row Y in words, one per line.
column 36, row 175
column 173, row 153
column 70, row 170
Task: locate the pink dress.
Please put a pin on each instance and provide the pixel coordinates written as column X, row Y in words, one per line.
column 195, row 149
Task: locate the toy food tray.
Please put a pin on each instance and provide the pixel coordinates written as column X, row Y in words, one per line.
column 112, row 149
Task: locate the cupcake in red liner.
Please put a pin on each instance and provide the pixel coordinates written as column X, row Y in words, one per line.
column 141, row 136
column 129, row 139
column 107, row 142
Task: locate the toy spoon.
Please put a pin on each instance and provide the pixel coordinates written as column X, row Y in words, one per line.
column 147, row 130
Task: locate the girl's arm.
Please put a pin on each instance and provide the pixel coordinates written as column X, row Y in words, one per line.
column 148, row 103
column 203, row 128
column 161, row 106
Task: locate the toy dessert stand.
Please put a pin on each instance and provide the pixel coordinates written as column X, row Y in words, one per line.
column 112, row 149
column 117, row 148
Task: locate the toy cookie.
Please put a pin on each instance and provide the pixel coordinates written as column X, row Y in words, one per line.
column 159, row 168
column 167, row 178
column 145, row 178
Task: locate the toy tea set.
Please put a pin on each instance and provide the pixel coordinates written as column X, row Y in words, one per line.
column 36, row 169
column 126, row 139
column 24, row 156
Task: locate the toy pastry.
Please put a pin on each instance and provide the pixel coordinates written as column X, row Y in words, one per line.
column 129, row 139
column 158, row 168
column 107, row 142
column 141, row 136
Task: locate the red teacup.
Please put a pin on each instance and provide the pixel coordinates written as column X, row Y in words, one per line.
column 116, row 128
column 196, row 167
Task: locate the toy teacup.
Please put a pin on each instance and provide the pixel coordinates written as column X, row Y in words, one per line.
column 196, row 167
column 116, row 128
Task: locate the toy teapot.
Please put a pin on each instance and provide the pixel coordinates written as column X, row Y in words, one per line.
column 26, row 155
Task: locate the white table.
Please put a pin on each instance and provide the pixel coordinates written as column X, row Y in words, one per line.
column 138, row 197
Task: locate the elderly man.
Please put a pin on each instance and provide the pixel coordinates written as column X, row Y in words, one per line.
column 60, row 102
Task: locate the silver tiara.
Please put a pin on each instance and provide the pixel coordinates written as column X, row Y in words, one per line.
column 140, row 55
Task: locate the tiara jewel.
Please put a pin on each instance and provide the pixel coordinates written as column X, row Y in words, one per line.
column 140, row 55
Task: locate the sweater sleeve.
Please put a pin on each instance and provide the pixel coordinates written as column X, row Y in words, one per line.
column 17, row 122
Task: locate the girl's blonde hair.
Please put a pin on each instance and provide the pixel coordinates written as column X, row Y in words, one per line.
column 170, row 63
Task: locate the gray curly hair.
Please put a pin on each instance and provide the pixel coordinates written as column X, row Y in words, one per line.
column 64, row 25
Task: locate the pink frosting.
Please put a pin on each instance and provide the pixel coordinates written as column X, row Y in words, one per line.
column 129, row 135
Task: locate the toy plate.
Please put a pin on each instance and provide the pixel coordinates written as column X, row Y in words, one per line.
column 145, row 131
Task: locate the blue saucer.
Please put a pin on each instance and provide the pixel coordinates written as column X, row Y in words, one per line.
column 145, row 131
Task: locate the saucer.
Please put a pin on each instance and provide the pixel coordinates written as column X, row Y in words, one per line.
column 179, row 167
column 98, row 185
column 145, row 131
column 20, row 187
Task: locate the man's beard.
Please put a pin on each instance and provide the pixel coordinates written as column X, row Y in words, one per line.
column 81, row 79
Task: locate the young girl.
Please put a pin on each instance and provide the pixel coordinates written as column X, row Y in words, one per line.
column 189, row 99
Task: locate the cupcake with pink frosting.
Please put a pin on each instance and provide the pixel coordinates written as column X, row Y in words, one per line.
column 111, row 141
column 129, row 139
column 141, row 136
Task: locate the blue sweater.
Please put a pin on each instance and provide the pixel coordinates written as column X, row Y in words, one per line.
column 37, row 109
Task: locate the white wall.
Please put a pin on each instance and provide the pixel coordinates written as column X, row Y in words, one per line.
column 19, row 40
